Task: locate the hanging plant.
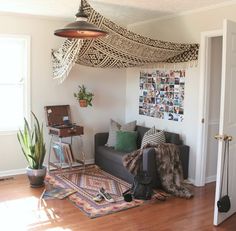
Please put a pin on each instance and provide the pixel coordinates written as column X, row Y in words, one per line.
column 84, row 97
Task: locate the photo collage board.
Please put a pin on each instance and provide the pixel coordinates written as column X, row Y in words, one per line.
column 162, row 94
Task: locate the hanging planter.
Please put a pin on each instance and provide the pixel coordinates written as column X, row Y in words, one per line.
column 84, row 97
column 83, row 103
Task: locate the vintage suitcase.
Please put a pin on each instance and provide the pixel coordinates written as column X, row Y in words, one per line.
column 59, row 121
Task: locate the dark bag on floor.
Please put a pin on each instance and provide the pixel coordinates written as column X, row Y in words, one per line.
column 223, row 203
column 142, row 186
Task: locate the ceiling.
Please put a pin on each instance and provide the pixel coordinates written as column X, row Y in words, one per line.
column 123, row 12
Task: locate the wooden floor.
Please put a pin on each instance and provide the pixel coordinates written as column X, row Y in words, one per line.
column 19, row 211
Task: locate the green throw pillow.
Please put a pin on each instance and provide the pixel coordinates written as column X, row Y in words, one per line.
column 126, row 141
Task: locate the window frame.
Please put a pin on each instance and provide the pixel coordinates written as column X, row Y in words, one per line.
column 27, row 82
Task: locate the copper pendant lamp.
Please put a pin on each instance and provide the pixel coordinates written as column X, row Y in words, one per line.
column 81, row 29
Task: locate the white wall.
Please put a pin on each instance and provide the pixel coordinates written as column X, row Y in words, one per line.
column 214, row 107
column 185, row 28
column 108, row 86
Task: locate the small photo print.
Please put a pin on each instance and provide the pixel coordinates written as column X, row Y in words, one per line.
column 162, row 108
column 182, row 73
column 142, row 76
column 170, row 116
column 158, row 101
column 171, row 109
column 176, row 102
column 161, row 87
column 144, row 93
column 181, row 103
column 142, row 111
column 152, row 112
column 171, row 80
column 158, row 81
column 181, row 87
column 166, row 87
column 176, row 117
column 163, row 80
column 143, row 80
column 176, row 95
column 171, row 88
column 176, row 88
column 140, row 105
column 181, row 110
column 166, row 108
column 181, row 118
column 176, row 81
column 181, row 80
column 160, row 115
column 176, row 110
column 150, row 80
column 171, row 102
column 151, row 93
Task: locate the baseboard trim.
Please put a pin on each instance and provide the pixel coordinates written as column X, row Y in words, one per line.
column 210, row 179
column 90, row 161
column 20, row 171
column 13, row 172
column 192, row 181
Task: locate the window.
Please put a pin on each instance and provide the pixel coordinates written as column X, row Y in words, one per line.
column 14, row 87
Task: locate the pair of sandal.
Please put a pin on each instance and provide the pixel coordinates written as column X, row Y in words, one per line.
column 103, row 195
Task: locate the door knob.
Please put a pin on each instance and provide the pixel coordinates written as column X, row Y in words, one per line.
column 223, row 137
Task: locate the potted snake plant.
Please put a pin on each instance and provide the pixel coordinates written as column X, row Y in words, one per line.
column 32, row 144
column 84, row 97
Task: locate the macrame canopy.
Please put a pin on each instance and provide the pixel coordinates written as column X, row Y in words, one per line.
column 120, row 49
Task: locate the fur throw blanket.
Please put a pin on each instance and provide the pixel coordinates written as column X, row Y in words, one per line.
column 168, row 166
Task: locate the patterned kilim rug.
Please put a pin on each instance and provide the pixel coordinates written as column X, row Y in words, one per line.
column 87, row 184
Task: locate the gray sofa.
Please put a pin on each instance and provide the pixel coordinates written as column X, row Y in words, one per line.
column 110, row 160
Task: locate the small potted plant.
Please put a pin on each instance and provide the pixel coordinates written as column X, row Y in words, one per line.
column 33, row 147
column 84, row 97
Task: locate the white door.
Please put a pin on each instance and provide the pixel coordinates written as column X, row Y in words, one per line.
column 227, row 118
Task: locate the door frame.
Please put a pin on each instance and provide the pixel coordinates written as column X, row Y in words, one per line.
column 203, row 121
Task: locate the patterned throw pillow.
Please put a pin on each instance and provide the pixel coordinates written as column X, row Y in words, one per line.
column 153, row 137
column 114, row 127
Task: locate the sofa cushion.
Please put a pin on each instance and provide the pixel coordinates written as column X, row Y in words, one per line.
column 114, row 127
column 170, row 136
column 126, row 141
column 110, row 154
column 129, row 126
column 153, row 137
